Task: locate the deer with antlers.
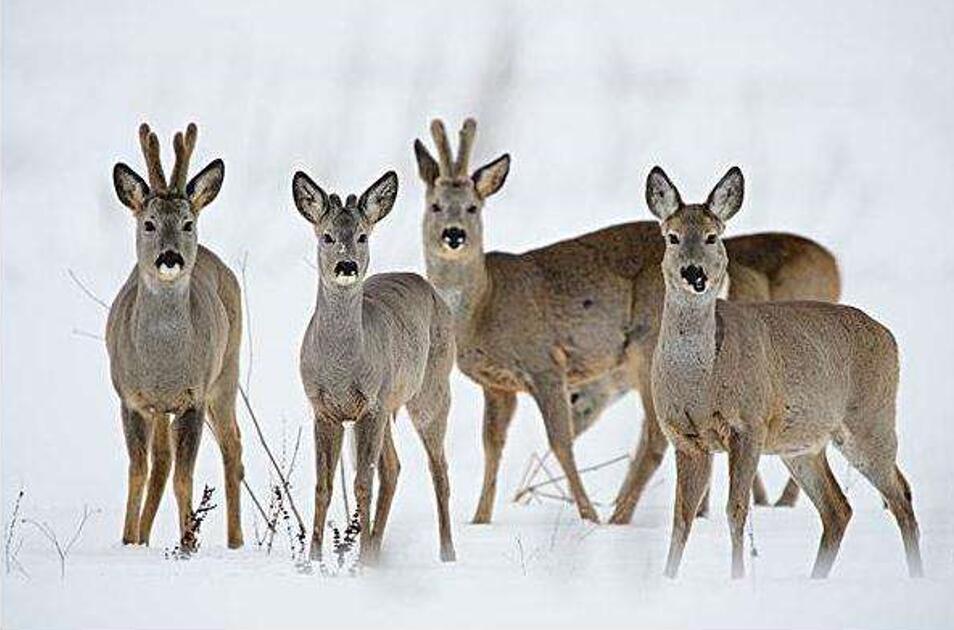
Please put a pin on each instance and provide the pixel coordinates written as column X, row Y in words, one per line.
column 173, row 338
column 581, row 313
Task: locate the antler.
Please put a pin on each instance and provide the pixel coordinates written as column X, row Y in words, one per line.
column 443, row 148
column 150, row 151
column 183, row 149
column 467, row 132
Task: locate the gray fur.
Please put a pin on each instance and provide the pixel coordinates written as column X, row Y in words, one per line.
column 173, row 337
column 784, row 378
column 373, row 346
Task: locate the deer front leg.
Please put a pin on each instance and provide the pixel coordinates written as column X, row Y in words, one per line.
column 693, row 469
column 550, row 393
column 160, row 449
column 136, row 431
column 187, row 433
column 369, row 441
column 499, row 406
column 328, row 436
column 744, row 454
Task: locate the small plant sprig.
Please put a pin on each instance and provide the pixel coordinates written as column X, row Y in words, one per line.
column 11, row 549
column 189, row 544
column 346, row 548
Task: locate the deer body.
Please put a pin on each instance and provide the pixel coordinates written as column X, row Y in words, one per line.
column 784, row 378
column 574, row 323
column 372, row 347
column 173, row 337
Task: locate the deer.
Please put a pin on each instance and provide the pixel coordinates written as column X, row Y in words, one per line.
column 784, row 378
column 573, row 320
column 373, row 345
column 173, row 336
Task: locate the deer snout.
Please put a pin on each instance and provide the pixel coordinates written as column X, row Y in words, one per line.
column 169, row 264
column 454, row 237
column 346, row 272
column 695, row 276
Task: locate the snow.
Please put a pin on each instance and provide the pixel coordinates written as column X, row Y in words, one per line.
column 839, row 116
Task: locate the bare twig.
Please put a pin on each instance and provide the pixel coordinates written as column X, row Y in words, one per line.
column 271, row 457
column 189, row 542
column 534, row 489
column 79, row 332
column 62, row 551
column 79, row 283
column 11, row 551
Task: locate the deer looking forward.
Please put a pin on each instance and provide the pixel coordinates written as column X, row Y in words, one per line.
column 173, row 338
column 373, row 346
column 575, row 319
column 781, row 377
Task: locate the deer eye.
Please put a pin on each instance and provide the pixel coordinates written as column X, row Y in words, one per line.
column 435, row 207
column 363, row 238
column 471, row 209
column 327, row 239
column 187, row 226
column 710, row 239
column 673, row 239
column 149, row 226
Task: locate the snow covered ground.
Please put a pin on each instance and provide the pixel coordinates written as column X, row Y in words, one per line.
column 840, row 116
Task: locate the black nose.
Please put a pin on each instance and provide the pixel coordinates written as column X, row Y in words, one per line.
column 346, row 268
column 695, row 276
column 454, row 237
column 170, row 258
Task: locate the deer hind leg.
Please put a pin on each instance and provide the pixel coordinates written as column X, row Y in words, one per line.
column 328, row 436
column 187, row 433
column 692, row 478
column 815, row 477
column 550, row 394
column 499, row 407
column 874, row 453
column 649, row 455
column 369, row 440
column 389, row 468
column 743, row 465
column 430, row 421
column 230, row 444
column 161, row 454
column 789, row 495
column 136, row 432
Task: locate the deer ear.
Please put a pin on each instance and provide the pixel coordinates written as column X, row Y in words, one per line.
column 661, row 196
column 378, row 199
column 726, row 198
column 489, row 178
column 426, row 165
column 131, row 189
column 204, row 187
column 310, row 199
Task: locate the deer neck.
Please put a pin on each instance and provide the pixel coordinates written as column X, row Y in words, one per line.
column 163, row 312
column 687, row 332
column 339, row 324
column 462, row 283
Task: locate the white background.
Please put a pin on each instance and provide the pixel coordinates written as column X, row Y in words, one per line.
column 838, row 113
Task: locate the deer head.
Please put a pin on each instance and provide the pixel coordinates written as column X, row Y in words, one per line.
column 452, row 221
column 343, row 228
column 166, row 213
column 695, row 261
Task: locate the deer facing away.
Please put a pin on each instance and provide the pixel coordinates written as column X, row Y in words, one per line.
column 784, row 378
column 173, row 337
column 373, row 346
column 581, row 313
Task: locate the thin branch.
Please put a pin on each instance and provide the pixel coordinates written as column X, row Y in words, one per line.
column 86, row 289
column 79, row 332
column 552, row 480
column 271, row 457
